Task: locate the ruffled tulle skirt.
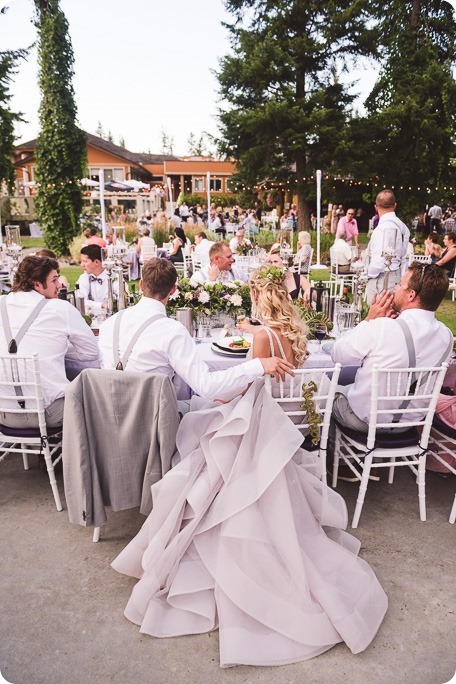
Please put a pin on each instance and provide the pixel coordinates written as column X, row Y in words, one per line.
column 243, row 536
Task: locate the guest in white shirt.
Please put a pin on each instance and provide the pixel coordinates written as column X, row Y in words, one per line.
column 146, row 246
column 93, row 283
column 391, row 234
column 57, row 333
column 380, row 339
column 184, row 212
column 166, row 346
column 240, row 240
column 220, row 268
column 341, row 255
column 202, row 244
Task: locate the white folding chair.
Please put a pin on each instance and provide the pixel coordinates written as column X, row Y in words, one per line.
column 21, row 394
column 408, row 393
column 420, row 258
column 346, row 278
column 442, row 443
column 289, row 394
column 296, row 266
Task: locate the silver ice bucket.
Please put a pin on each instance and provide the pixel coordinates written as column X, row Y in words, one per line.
column 185, row 316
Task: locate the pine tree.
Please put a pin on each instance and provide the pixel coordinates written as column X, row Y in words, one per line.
column 8, row 63
column 100, row 132
column 412, row 107
column 61, row 151
column 287, row 112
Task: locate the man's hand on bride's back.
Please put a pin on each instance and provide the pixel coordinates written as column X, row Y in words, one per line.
column 277, row 367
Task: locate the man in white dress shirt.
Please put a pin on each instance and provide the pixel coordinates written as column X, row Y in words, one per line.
column 239, row 239
column 220, row 268
column 390, row 235
column 202, row 244
column 166, row 346
column 380, row 339
column 340, row 254
column 93, row 283
column 57, row 332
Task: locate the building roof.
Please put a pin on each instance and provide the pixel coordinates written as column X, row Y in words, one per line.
column 140, row 158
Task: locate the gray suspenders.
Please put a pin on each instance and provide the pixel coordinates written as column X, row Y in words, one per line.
column 120, row 363
column 13, row 343
column 412, row 360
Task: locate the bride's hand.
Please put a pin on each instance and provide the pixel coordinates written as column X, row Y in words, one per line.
column 277, row 367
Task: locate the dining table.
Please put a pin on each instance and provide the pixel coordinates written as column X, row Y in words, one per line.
column 216, row 361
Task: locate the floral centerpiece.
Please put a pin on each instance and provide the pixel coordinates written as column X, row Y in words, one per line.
column 244, row 247
column 210, row 299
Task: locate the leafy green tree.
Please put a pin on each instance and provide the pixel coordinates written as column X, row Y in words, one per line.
column 167, row 143
column 284, row 111
column 197, row 146
column 412, row 107
column 61, row 151
column 110, row 137
column 8, row 63
column 122, row 142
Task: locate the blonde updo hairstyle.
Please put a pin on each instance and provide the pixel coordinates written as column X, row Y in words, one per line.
column 273, row 307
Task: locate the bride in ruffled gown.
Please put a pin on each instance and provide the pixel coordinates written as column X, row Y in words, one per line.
column 245, row 537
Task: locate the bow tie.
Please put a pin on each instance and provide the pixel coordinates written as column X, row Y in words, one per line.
column 94, row 279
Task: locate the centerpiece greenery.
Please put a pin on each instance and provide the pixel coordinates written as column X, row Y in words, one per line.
column 211, row 298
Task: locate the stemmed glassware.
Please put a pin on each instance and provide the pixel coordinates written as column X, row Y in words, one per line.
column 241, row 315
column 320, row 332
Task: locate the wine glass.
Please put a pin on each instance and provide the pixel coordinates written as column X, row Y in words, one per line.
column 320, row 331
column 241, row 315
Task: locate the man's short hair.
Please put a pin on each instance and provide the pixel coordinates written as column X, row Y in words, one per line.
column 158, row 278
column 93, row 231
column 202, row 235
column 430, row 283
column 92, row 251
column 451, row 235
column 145, row 231
column 46, row 253
column 385, row 199
column 217, row 249
column 33, row 269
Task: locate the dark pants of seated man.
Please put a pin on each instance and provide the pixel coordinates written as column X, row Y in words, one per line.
column 53, row 413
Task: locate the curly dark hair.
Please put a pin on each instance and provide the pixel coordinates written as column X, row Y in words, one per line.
column 33, row 269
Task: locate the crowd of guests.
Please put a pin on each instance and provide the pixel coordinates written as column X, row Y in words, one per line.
column 56, row 330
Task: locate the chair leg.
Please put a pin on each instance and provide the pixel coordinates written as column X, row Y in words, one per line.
column 96, row 535
column 452, row 517
column 336, row 458
column 25, row 456
column 391, row 471
column 362, row 490
column 421, row 480
column 52, row 480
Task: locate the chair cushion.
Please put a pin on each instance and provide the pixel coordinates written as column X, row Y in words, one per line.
column 27, row 432
column 443, row 427
column 385, row 440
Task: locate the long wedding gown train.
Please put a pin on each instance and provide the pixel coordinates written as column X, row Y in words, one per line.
column 244, row 536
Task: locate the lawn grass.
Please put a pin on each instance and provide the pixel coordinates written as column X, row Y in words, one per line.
column 72, row 273
column 32, row 242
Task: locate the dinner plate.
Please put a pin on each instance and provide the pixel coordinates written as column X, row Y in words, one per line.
column 224, row 343
column 225, row 352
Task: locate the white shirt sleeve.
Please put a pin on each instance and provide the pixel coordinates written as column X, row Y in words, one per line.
column 82, row 342
column 376, row 260
column 355, row 345
column 183, row 358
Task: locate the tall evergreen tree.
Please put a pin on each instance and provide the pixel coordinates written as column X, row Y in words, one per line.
column 286, row 111
column 61, row 152
column 412, row 107
column 8, row 63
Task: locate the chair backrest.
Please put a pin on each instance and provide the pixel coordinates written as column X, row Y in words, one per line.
column 320, row 384
column 20, row 386
column 198, row 261
column 404, row 397
column 167, row 246
column 420, row 258
column 336, row 287
column 296, row 266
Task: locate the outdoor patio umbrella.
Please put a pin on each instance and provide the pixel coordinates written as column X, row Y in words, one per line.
column 117, row 186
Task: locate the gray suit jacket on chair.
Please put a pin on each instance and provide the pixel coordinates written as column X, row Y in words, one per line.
column 119, row 435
